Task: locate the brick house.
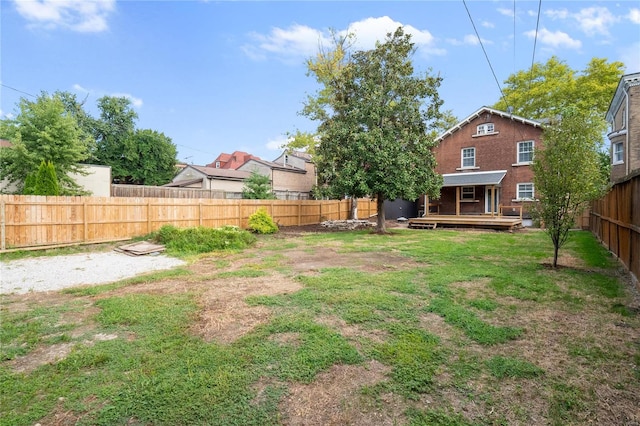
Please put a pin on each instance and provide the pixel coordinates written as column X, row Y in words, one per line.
column 231, row 161
column 624, row 118
column 485, row 161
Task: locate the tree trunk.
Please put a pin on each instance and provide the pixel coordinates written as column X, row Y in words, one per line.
column 354, row 208
column 381, row 228
column 555, row 255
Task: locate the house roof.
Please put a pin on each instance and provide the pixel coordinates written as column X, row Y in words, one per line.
column 275, row 166
column 626, row 81
column 5, row 143
column 474, row 178
column 232, row 161
column 483, row 110
column 226, row 174
column 183, row 183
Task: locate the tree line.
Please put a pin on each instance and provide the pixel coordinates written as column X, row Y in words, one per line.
column 55, row 132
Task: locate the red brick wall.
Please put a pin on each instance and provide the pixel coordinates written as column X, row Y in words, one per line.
column 493, row 152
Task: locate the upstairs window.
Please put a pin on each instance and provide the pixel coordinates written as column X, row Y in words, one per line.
column 525, row 152
column 217, row 164
column 468, row 157
column 485, row 129
column 618, row 153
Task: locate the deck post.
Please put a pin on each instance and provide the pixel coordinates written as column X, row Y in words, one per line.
column 457, row 201
column 493, row 200
column 426, row 205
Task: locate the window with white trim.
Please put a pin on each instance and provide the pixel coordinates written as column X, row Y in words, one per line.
column 525, row 152
column 618, row 153
column 525, row 191
column 485, row 129
column 217, row 164
column 468, row 193
column 468, row 157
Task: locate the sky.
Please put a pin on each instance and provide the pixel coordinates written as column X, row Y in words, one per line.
column 221, row 76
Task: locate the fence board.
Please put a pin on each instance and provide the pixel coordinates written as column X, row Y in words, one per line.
column 31, row 221
column 615, row 220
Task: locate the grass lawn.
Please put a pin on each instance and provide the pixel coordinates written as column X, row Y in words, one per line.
column 412, row 328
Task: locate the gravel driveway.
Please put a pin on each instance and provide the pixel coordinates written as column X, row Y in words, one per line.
column 57, row 272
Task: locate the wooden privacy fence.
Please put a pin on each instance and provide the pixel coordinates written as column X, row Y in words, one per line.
column 119, row 190
column 30, row 221
column 615, row 220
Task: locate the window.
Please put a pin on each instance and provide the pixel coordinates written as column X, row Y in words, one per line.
column 485, row 129
column 468, row 193
column 525, row 191
column 468, row 157
column 525, row 152
column 618, row 151
column 217, row 164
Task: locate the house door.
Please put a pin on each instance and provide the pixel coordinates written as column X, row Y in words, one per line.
column 487, row 200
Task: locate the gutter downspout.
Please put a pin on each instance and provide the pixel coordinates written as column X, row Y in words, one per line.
column 626, row 121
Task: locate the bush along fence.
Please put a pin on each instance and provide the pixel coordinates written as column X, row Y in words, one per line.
column 36, row 221
column 615, row 220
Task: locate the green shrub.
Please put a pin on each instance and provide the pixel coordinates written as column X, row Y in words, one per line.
column 202, row 239
column 261, row 223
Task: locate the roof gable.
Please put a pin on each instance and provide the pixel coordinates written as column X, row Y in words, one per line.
column 492, row 111
column 626, row 81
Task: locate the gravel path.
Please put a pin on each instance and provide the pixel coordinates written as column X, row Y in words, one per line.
column 54, row 273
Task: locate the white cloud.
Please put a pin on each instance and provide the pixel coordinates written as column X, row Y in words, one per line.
column 595, row 20
column 75, row 15
column 79, row 88
column 136, row 102
column 370, row 30
column 296, row 42
column 299, row 42
column 591, row 20
column 506, row 12
column 487, row 24
column 469, row 40
column 276, row 144
column 557, row 39
column 634, row 16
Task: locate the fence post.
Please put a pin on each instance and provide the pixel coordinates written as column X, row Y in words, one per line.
column 299, row 212
column 85, row 222
column 3, row 244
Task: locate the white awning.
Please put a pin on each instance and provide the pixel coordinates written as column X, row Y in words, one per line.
column 474, row 178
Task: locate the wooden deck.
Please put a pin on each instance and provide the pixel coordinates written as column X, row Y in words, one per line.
column 508, row 223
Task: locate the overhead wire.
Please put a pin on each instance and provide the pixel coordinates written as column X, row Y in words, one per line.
column 485, row 51
column 18, row 90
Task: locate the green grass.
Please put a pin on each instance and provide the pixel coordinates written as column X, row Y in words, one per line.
column 452, row 329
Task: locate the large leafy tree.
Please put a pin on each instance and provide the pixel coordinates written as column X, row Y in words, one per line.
column 567, row 173
column 114, row 134
column 545, row 90
column 154, row 162
column 140, row 157
column 375, row 136
column 43, row 130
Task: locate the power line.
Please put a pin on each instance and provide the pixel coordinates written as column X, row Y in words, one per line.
column 17, row 90
column 484, row 50
column 535, row 41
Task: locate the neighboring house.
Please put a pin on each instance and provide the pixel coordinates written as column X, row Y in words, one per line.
column 210, row 178
column 291, row 171
column 624, row 118
column 231, row 161
column 485, row 161
column 96, row 181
